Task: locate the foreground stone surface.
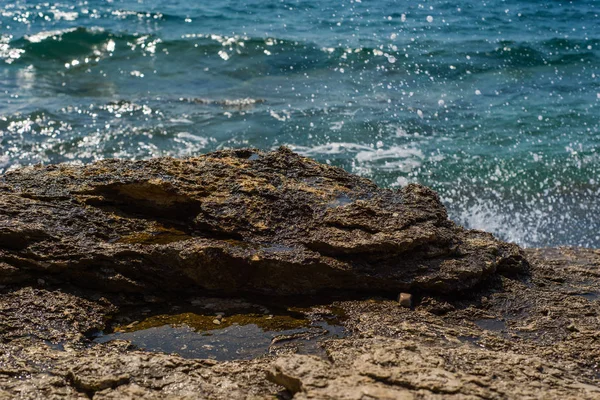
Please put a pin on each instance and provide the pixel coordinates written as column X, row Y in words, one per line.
column 81, row 245
column 536, row 337
column 237, row 221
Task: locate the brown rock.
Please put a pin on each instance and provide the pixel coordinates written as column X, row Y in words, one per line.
column 389, row 353
column 114, row 235
column 235, row 221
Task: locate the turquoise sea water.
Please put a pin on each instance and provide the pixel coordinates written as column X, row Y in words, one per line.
column 495, row 104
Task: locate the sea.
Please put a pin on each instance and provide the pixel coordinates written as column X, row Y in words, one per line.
column 493, row 103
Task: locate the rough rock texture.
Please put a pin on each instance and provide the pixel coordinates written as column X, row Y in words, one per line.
column 81, row 244
column 532, row 338
column 235, row 221
column 114, row 372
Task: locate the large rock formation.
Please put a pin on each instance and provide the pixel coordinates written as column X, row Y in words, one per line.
column 239, row 221
column 84, row 248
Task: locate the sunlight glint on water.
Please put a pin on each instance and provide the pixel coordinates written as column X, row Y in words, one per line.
column 494, row 104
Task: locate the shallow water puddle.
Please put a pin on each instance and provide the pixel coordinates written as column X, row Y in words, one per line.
column 494, row 325
column 469, row 339
column 227, row 336
column 591, row 296
column 340, row 200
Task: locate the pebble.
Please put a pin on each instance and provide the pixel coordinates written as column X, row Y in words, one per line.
column 217, row 321
column 405, row 300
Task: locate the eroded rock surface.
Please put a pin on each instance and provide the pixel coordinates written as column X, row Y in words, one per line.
column 81, row 245
column 231, row 222
column 518, row 338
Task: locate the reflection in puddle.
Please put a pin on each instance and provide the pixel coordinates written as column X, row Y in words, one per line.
column 340, row 200
column 227, row 337
column 591, row 296
column 495, row 325
column 234, row 342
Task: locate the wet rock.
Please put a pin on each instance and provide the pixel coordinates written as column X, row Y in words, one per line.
column 51, row 315
column 436, row 306
column 390, row 353
column 117, row 235
column 114, row 372
column 231, row 222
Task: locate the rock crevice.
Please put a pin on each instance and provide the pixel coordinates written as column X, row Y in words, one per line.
column 81, row 245
column 240, row 221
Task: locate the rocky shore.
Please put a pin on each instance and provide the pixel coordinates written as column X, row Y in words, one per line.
column 96, row 260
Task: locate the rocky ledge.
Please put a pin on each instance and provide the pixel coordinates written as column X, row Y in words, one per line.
column 237, row 221
column 84, row 247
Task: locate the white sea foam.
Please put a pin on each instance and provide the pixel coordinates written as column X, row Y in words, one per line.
column 514, row 227
column 283, row 116
column 246, row 101
column 181, row 121
column 401, row 159
column 329, row 148
column 39, row 37
column 4, row 161
column 395, row 158
column 239, row 104
column 202, row 141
